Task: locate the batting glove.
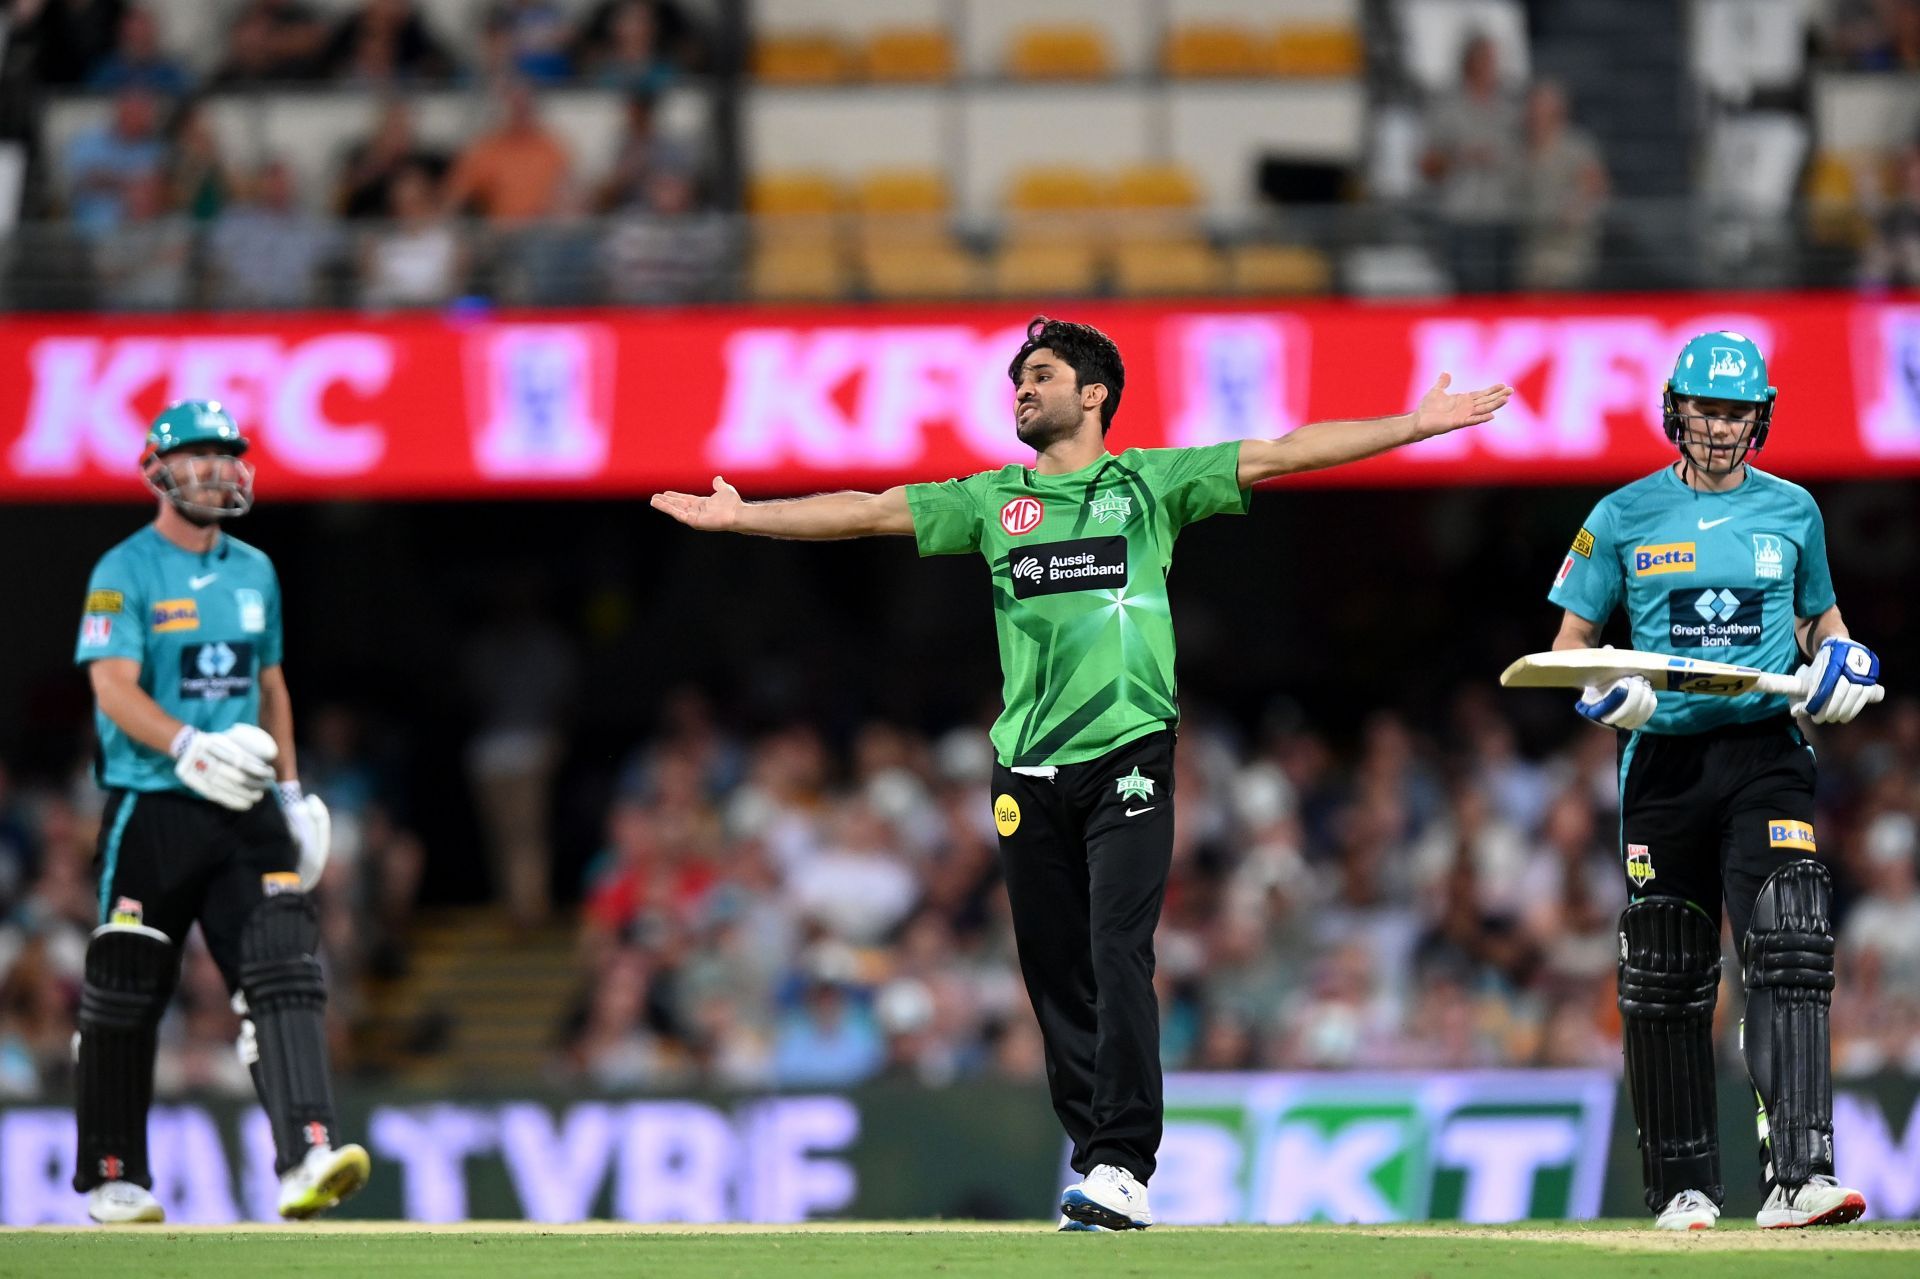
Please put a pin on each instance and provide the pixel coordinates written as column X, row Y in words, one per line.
column 1842, row 679
column 1627, row 703
column 312, row 829
column 232, row 768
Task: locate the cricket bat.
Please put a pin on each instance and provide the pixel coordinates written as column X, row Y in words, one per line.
column 1578, row 667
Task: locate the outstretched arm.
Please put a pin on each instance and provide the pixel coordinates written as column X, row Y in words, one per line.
column 823, row 517
column 1323, row 444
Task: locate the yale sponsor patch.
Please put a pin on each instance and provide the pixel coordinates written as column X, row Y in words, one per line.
column 1639, row 865
column 104, row 601
column 275, row 882
column 1006, row 815
column 1785, row 833
column 1583, row 544
column 95, row 631
column 1668, row 557
column 176, row 615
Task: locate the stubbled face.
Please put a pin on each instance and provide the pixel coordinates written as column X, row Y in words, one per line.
column 1716, row 434
column 204, row 482
column 1048, row 402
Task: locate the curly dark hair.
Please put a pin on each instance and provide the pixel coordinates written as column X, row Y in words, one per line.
column 1090, row 353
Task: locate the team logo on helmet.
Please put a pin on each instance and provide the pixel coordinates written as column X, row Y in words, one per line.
column 1726, row 362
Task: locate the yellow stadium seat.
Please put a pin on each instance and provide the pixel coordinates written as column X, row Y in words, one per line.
column 1319, row 50
column 1166, row 266
column 1058, row 53
column 902, row 191
column 1210, row 49
column 1046, row 265
column 802, row 57
column 1154, row 186
column 1053, row 189
column 797, row 192
column 1278, row 268
column 798, row 270
column 919, row 267
column 909, row 54
column 1837, row 181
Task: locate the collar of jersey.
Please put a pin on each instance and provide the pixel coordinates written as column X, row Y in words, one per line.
column 1034, row 476
column 1685, row 487
column 168, row 544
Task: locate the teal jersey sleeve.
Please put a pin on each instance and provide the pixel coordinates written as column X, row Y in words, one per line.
column 113, row 618
column 1193, row 483
column 946, row 516
column 1592, row 576
column 1812, row 581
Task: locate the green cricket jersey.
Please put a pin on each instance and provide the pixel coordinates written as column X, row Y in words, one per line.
column 1079, row 567
column 1720, row 576
column 202, row 627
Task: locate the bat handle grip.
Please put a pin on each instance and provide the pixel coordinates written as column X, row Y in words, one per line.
column 1785, row 685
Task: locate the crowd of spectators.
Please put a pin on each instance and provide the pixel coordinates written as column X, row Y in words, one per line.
column 782, row 910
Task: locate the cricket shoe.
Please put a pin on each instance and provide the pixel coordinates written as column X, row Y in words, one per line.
column 1688, row 1210
column 1821, row 1202
column 1069, row 1226
column 1111, row 1197
column 321, row 1180
column 113, row 1203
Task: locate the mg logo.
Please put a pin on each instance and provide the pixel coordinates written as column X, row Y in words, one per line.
column 1021, row 516
column 1717, row 606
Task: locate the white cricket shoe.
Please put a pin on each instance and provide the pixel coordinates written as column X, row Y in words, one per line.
column 1111, row 1197
column 113, row 1203
column 321, row 1180
column 1068, row 1226
column 1821, row 1202
column 1688, row 1210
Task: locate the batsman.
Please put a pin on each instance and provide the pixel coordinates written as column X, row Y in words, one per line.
column 1714, row 558
column 180, row 638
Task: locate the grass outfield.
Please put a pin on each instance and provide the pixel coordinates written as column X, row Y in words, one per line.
column 858, row 1250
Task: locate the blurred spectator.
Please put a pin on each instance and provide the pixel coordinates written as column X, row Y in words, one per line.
column 514, row 173
column 1892, row 256
column 831, row 1041
column 19, row 855
column 373, row 165
column 677, row 37
column 142, row 266
column 520, row 671
column 1875, row 35
column 268, row 250
column 272, row 41
column 104, row 164
column 386, row 43
column 199, row 181
column 419, row 259
column 68, row 38
column 670, row 251
column 641, row 153
column 137, row 61
column 1886, row 922
column 1563, row 197
column 631, row 58
column 1473, row 159
column 537, row 39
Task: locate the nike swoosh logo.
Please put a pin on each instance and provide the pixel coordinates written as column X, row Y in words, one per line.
column 197, row 582
column 1707, row 524
column 1135, row 812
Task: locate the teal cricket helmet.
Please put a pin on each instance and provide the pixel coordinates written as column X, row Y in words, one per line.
column 1722, row 365
column 187, row 422
column 202, row 489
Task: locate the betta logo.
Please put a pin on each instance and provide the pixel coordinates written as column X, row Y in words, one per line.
column 1671, row 557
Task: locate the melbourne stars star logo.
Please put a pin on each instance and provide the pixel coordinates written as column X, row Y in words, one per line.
column 1134, row 786
column 1112, row 506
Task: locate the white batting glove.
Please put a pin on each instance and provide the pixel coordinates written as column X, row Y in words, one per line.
column 1842, row 679
column 1626, row 703
column 232, row 768
column 312, row 829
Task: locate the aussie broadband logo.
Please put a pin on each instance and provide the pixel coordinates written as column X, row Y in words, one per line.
column 1486, row 1146
column 1668, row 557
column 1083, row 564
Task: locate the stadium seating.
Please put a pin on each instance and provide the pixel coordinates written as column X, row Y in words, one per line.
column 1058, row 53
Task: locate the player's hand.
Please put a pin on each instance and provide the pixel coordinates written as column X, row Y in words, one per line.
column 312, row 829
column 713, row 514
column 1441, row 411
column 1842, row 679
column 232, row 768
column 1627, row 703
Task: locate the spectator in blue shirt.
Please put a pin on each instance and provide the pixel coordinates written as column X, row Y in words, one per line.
column 137, row 60
column 102, row 164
